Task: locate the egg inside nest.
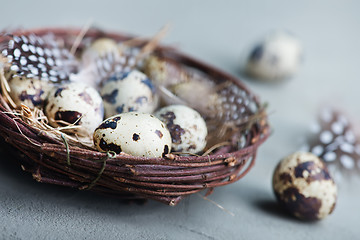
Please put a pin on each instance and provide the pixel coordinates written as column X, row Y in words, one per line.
column 75, row 104
column 128, row 92
column 137, row 134
column 187, row 128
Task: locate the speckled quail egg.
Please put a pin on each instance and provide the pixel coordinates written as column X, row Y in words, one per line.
column 137, row 134
column 163, row 72
column 129, row 92
column 276, row 57
column 187, row 128
column 99, row 47
column 75, row 103
column 30, row 92
column 303, row 185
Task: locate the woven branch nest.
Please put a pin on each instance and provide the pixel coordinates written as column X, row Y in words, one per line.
column 168, row 179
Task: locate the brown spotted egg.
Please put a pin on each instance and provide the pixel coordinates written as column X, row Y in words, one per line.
column 77, row 104
column 30, row 92
column 276, row 57
column 303, row 185
column 137, row 134
column 99, row 47
column 129, row 92
column 187, row 128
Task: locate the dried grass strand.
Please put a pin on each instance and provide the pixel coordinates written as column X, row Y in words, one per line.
column 214, row 147
column 153, row 43
column 217, row 205
column 26, row 137
column 80, row 37
column 109, row 154
column 5, row 88
column 67, row 150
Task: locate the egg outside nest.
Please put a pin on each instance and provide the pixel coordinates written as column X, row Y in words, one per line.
column 303, row 186
column 276, row 57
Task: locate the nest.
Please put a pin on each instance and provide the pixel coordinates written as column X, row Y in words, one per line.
column 236, row 130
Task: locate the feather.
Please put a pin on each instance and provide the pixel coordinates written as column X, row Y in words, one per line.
column 38, row 57
column 95, row 70
column 335, row 142
column 168, row 97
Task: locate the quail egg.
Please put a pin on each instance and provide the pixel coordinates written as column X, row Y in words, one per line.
column 75, row 103
column 99, row 47
column 303, row 185
column 163, row 72
column 137, row 134
column 187, row 128
column 129, row 92
column 276, row 57
column 30, row 92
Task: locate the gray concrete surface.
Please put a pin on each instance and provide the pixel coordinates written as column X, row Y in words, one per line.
column 217, row 32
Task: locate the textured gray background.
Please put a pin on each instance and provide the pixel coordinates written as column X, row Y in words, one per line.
column 218, row 33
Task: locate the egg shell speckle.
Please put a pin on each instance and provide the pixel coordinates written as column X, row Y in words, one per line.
column 75, row 103
column 276, row 57
column 138, row 134
column 30, row 92
column 187, row 128
column 129, row 92
column 303, row 185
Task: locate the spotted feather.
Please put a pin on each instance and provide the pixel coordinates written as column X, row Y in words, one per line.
column 335, row 141
column 38, row 57
column 96, row 71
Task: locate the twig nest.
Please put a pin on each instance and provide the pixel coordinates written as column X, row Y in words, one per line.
column 29, row 91
column 303, row 185
column 137, row 134
column 187, row 128
column 129, row 92
column 276, row 57
column 75, row 104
